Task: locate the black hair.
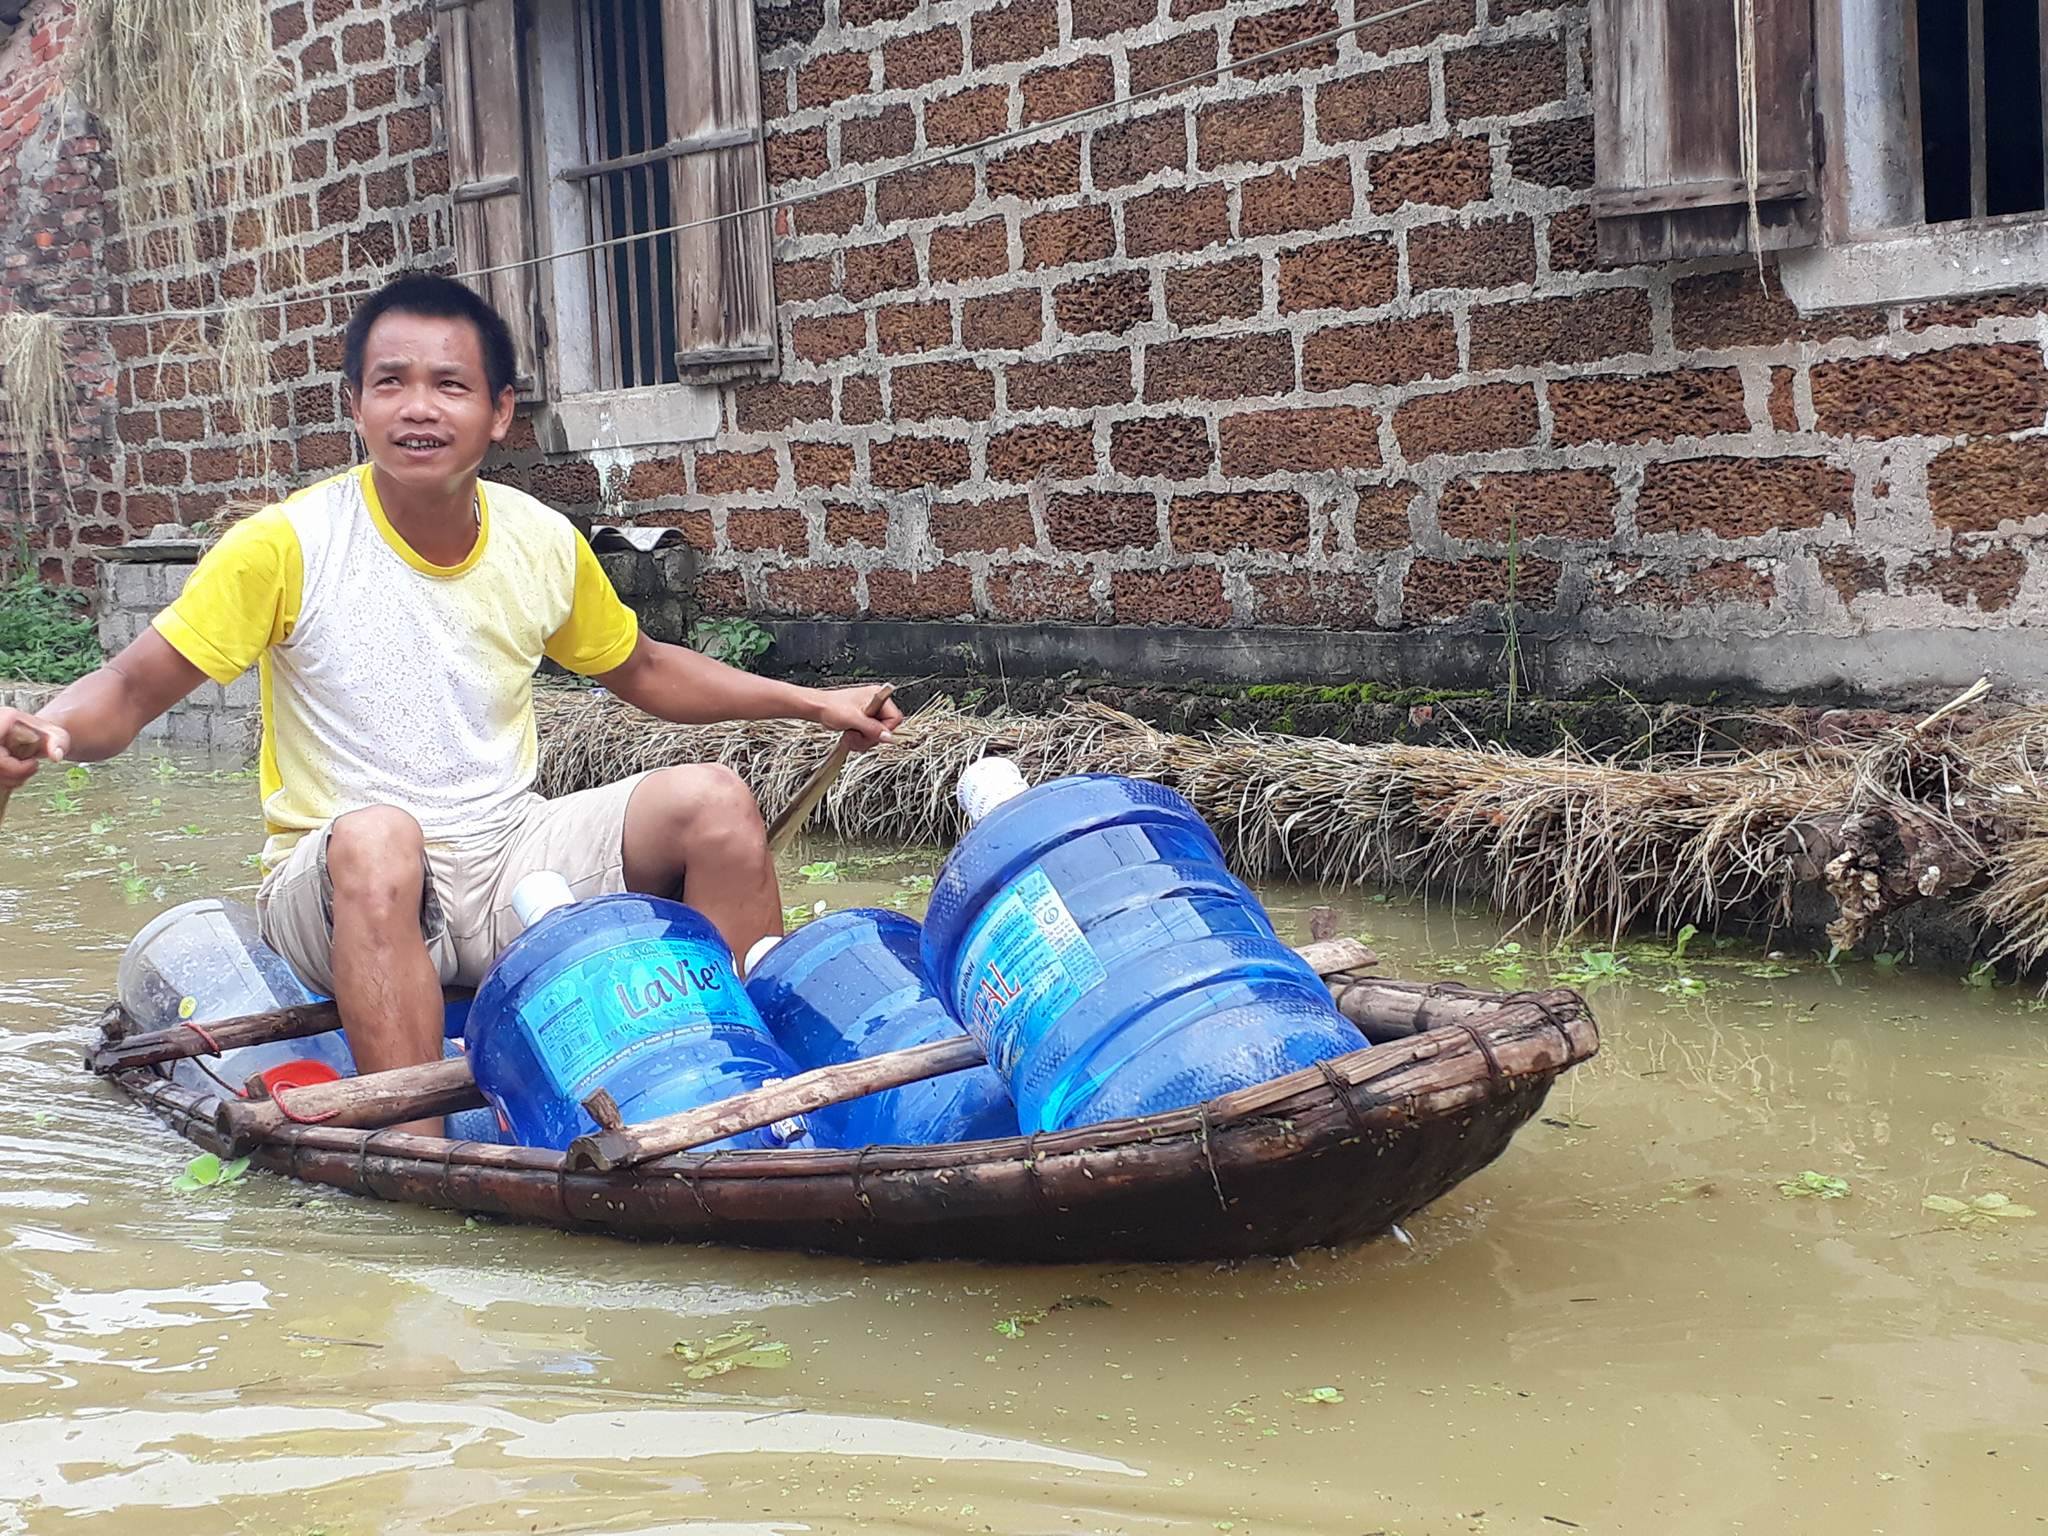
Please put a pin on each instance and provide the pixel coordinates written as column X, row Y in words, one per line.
column 436, row 298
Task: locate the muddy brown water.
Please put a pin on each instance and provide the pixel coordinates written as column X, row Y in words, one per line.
column 1625, row 1325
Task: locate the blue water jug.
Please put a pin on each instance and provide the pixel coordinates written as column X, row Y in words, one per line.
column 851, row 984
column 631, row 994
column 1088, row 935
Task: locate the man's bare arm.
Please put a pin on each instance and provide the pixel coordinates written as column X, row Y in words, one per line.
column 104, row 711
column 673, row 683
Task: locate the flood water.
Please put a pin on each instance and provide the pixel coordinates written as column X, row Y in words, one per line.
column 1625, row 1325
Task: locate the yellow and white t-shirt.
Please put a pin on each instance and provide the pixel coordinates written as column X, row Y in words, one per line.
column 388, row 680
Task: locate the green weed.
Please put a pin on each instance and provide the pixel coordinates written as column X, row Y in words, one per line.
column 46, row 634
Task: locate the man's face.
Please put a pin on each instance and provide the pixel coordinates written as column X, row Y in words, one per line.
column 424, row 409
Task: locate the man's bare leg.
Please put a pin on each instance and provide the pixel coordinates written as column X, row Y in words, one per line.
column 384, row 979
column 698, row 830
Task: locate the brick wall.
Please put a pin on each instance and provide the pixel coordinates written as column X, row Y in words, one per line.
column 1297, row 350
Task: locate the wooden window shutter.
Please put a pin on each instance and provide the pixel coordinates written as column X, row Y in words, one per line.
column 725, row 295
column 483, row 100
column 1668, row 128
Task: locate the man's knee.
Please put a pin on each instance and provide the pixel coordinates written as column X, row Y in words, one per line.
column 376, row 861
column 704, row 801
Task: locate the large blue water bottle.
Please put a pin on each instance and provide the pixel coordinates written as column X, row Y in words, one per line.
column 631, row 994
column 851, row 984
column 1088, row 935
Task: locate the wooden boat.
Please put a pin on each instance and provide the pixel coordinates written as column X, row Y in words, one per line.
column 1323, row 1156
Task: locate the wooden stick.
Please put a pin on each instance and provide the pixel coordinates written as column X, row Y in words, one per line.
column 23, row 740
column 783, row 830
column 151, row 1047
column 631, row 1144
column 372, row 1100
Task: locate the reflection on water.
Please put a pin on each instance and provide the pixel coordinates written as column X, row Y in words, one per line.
column 1625, row 1325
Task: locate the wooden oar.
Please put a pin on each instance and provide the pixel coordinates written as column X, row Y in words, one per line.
column 783, row 830
column 22, row 741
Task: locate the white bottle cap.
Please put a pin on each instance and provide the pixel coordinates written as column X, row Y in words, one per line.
column 760, row 947
column 534, row 897
column 986, row 783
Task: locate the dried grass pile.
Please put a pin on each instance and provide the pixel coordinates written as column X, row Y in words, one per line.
column 1573, row 842
column 35, row 392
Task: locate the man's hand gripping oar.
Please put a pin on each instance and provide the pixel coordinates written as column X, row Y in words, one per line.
column 26, row 743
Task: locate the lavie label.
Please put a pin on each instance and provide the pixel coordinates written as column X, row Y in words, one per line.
column 1025, row 963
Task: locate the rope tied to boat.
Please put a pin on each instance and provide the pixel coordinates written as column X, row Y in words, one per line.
column 277, row 1097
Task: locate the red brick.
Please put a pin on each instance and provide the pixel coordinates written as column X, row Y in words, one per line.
column 826, row 592
column 1102, row 18
column 1087, row 522
column 1169, row 447
column 944, row 593
column 797, row 156
column 1582, row 329
column 1038, row 172
column 723, row 474
column 1851, row 574
column 1964, row 391
column 1986, row 580
column 1002, row 321
column 833, row 214
column 1732, row 309
column 1074, row 381
column 1004, row 522
column 835, row 77
column 1784, row 409
column 922, row 57
column 775, row 406
column 901, row 328
column 1316, row 599
column 1314, row 197
column 1067, row 88
column 1545, row 503
column 916, row 463
column 1254, row 35
column 1110, row 304
column 822, row 338
column 1555, row 154
column 1482, row 419
column 1381, row 520
column 1691, row 402
column 1492, row 253
column 1240, row 132
column 965, row 116
column 819, row 464
column 1503, row 79
column 866, row 13
column 873, row 269
column 1032, row 593
column 1178, row 58
column 1359, row 272
column 1447, row 18
column 1740, row 498
column 1397, row 351
column 1193, row 596
column 860, row 401
column 1263, row 521
column 1574, row 246
column 1175, row 219
column 1368, row 104
column 930, row 193
column 1980, row 486
column 1446, row 173
column 1124, row 153
column 925, row 391
column 2022, row 304
column 1298, row 441
column 888, row 135
column 748, row 529
column 1448, row 589
column 1045, row 449
column 959, row 254
column 1236, row 367
column 1023, row 29
column 1224, row 290
column 723, row 592
column 1068, row 235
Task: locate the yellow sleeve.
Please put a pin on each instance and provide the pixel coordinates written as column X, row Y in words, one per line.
column 600, row 632
column 242, row 597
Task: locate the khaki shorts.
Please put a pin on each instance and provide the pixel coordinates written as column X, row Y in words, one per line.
column 466, row 911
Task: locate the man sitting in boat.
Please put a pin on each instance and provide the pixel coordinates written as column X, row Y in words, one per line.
column 397, row 612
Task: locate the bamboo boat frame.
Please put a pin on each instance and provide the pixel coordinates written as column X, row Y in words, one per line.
column 1328, row 1155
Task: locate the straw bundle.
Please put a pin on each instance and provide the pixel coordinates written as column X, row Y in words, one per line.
column 1569, row 840
column 35, row 392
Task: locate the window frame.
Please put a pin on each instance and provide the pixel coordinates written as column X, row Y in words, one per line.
column 1874, row 248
